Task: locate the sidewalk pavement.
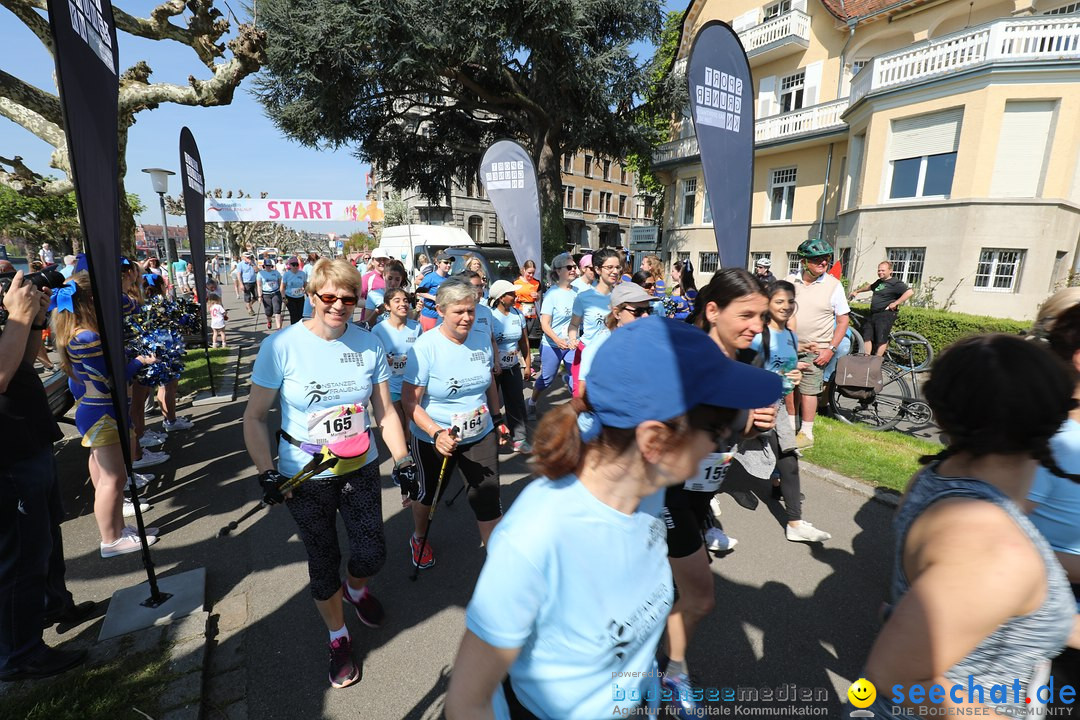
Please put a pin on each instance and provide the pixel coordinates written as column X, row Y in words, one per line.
column 786, row 613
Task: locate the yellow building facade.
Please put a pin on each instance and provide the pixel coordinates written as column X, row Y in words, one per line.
column 941, row 135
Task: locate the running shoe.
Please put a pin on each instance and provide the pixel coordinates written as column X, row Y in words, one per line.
column 717, row 541
column 149, row 440
column 428, row 558
column 141, row 480
column 803, row 441
column 368, row 608
column 129, row 507
column 343, row 671
column 125, row 544
column 805, row 532
column 523, row 447
column 681, row 704
column 180, row 423
column 149, row 459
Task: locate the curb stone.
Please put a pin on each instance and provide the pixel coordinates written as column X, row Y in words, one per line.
column 881, row 495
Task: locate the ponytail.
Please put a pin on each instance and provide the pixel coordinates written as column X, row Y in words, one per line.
column 559, row 445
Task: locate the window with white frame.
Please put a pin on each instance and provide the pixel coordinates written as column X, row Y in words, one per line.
column 776, row 9
column 706, row 210
column 607, row 169
column 569, row 196
column 999, row 270
column 857, row 65
column 689, row 200
column 586, row 200
column 1064, row 9
column 794, row 264
column 568, row 163
column 683, row 256
column 588, row 166
column 782, row 193
column 922, row 154
column 907, row 263
column 708, row 262
column 754, row 257
column 622, row 206
column 791, row 91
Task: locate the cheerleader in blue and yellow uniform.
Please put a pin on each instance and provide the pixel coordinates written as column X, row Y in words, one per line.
column 160, row 325
column 74, row 325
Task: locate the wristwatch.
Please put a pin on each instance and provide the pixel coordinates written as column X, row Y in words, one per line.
column 833, row 349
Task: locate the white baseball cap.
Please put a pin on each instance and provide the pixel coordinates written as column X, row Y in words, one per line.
column 378, row 253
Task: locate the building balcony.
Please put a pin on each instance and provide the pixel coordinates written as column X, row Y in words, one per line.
column 572, row 214
column 776, row 38
column 798, row 123
column 1001, row 42
column 606, row 218
column 794, row 125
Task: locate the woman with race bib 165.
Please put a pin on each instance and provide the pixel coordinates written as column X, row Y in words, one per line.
column 325, row 370
column 453, row 402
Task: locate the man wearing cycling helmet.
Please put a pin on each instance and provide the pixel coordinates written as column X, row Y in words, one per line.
column 822, row 322
column 763, row 272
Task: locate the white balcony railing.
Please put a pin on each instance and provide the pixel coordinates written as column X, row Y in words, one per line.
column 794, row 24
column 1006, row 40
column 607, row 218
column 676, row 150
column 572, row 214
column 816, row 118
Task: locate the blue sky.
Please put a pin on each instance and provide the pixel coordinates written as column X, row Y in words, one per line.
column 240, row 147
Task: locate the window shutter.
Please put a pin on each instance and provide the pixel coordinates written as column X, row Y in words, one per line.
column 747, row 20
column 798, row 5
column 767, row 96
column 930, row 134
column 812, row 83
column 1021, row 151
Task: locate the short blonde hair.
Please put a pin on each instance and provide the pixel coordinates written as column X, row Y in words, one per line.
column 1054, row 306
column 334, row 272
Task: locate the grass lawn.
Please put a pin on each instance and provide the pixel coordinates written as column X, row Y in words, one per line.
column 888, row 459
column 110, row 692
column 194, row 377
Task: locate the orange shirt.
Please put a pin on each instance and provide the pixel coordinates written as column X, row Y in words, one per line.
column 526, row 292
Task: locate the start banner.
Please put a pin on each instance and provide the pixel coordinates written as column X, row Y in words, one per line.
column 275, row 210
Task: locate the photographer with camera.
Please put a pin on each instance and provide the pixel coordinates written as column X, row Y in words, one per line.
column 33, row 594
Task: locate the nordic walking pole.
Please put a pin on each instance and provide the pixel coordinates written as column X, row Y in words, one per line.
column 434, row 504
column 309, row 471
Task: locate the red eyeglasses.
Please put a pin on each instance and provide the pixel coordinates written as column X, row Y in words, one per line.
column 330, row 299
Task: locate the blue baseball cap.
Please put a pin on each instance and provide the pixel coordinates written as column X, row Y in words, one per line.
column 676, row 367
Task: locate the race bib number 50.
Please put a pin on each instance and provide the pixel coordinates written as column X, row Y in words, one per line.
column 334, row 425
column 711, row 473
column 396, row 363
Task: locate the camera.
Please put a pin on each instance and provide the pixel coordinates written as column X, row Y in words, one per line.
column 46, row 279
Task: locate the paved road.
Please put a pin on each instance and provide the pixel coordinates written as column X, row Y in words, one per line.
column 786, row 613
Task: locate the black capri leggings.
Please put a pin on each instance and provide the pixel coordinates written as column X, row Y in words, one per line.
column 271, row 304
column 314, row 505
column 512, row 388
column 296, row 309
column 479, row 462
column 787, row 464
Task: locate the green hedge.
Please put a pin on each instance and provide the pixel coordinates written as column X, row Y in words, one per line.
column 942, row 328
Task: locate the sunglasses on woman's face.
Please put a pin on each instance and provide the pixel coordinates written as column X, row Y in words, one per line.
column 649, row 286
column 330, row 299
column 638, row 311
column 567, row 267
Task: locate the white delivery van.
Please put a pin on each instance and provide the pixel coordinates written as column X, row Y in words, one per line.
column 405, row 242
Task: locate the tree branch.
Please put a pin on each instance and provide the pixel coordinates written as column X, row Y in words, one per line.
column 40, row 102
column 24, row 10
column 202, row 34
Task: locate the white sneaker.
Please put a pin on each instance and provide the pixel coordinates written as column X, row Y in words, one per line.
column 716, row 540
column 714, row 505
column 805, row 532
column 149, row 459
column 150, row 439
column 141, row 480
column 129, row 507
column 180, row 423
column 125, row 544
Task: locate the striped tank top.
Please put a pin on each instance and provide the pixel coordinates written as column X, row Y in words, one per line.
column 1021, row 647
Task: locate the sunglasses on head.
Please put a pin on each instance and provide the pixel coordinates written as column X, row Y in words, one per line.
column 330, row 299
column 638, row 311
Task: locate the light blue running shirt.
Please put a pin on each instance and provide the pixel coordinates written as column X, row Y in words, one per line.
column 508, row 331
column 269, row 281
column 559, row 304
column 783, row 354
column 375, row 298
column 584, row 590
column 592, row 308
column 312, row 374
column 1058, row 513
column 589, row 353
column 455, row 379
column 398, row 344
column 294, row 283
column 580, row 284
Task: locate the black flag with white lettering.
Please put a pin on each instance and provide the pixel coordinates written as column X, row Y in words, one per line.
column 191, row 179
column 721, row 103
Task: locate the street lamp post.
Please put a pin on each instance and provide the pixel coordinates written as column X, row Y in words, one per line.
column 160, row 179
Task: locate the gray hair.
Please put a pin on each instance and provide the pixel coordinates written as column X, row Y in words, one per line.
column 454, row 290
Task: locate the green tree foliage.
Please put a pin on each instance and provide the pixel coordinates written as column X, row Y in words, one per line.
column 421, row 87
column 36, row 219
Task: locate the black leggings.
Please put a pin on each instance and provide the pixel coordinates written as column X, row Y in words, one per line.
column 787, row 464
column 512, row 389
column 314, row 506
column 296, row 309
column 479, row 462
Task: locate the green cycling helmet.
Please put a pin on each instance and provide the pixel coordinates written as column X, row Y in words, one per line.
column 815, row 247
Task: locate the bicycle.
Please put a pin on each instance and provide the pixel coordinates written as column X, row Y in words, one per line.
column 899, row 398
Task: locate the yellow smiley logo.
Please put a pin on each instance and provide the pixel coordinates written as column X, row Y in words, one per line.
column 862, row 693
